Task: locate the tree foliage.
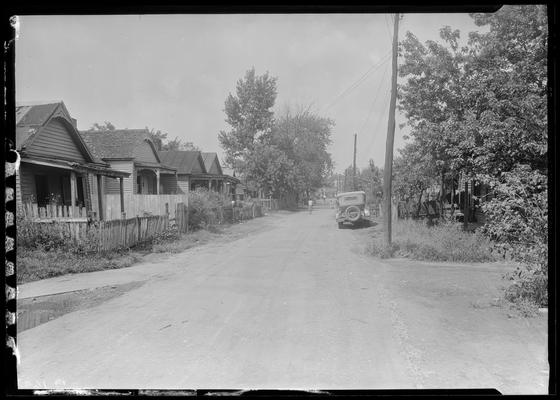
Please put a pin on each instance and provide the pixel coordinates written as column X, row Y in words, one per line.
column 163, row 143
column 105, row 126
column 481, row 110
column 281, row 157
column 249, row 114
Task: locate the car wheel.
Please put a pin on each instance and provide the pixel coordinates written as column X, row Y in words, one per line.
column 353, row 213
column 340, row 225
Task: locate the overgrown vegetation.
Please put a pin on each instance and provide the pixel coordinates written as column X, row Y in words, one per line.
column 479, row 111
column 442, row 242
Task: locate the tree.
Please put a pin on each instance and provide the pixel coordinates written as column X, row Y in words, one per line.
column 158, row 137
column 304, row 137
column 106, row 126
column 162, row 143
column 413, row 173
column 481, row 110
column 250, row 115
column 178, row 144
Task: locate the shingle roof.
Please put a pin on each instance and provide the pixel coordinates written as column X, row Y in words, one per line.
column 29, row 118
column 114, row 144
column 184, row 161
column 209, row 160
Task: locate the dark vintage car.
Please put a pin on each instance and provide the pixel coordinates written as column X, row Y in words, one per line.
column 351, row 208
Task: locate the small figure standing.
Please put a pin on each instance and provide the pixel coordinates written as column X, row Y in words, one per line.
column 310, row 205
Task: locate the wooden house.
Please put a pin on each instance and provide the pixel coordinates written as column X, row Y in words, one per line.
column 59, row 177
column 132, row 151
column 196, row 169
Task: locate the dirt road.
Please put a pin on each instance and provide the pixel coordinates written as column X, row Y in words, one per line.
column 300, row 306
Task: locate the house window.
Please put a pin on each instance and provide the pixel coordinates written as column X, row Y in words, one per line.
column 139, row 184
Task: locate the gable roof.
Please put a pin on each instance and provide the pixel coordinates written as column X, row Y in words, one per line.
column 31, row 118
column 184, row 161
column 116, row 144
column 209, row 159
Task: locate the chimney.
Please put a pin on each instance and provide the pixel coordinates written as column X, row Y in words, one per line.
column 74, row 122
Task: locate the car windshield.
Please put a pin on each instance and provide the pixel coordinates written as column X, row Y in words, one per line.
column 350, row 200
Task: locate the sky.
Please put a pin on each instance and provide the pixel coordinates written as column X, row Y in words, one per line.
column 173, row 72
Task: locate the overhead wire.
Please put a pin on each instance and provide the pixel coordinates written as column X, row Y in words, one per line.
column 370, row 112
column 359, row 81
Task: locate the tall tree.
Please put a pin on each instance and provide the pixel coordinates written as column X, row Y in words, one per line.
column 249, row 113
column 305, row 137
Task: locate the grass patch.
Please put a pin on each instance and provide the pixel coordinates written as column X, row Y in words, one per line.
column 441, row 242
column 35, row 264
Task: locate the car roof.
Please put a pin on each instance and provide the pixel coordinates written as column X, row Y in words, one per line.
column 350, row 193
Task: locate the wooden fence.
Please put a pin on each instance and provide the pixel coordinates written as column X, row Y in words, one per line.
column 269, row 204
column 106, row 235
column 139, row 205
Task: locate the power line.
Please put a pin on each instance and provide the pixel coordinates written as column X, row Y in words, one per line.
column 387, row 26
column 373, row 102
column 360, row 80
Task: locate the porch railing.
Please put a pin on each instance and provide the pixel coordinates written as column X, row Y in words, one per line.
column 52, row 211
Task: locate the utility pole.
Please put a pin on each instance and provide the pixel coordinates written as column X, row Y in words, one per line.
column 391, row 136
column 354, row 164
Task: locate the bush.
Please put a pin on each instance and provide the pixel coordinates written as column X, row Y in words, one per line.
column 517, row 222
column 202, row 208
column 45, row 236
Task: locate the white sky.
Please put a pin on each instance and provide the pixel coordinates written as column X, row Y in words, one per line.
column 173, row 72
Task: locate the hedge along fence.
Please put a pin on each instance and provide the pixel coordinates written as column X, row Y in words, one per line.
column 86, row 237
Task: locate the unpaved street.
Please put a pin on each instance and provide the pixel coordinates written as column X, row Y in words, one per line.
column 296, row 305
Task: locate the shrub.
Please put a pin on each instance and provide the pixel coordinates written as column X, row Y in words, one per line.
column 517, row 222
column 46, row 236
column 203, row 208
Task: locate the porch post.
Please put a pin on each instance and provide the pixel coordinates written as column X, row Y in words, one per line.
column 121, row 192
column 72, row 193
column 157, row 181
column 100, row 197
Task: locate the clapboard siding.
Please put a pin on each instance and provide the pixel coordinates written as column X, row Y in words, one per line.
column 183, row 186
column 144, row 152
column 27, row 182
column 55, row 141
column 169, row 183
column 112, row 186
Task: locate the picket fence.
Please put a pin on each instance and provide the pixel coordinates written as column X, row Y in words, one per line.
column 32, row 211
column 107, row 235
column 125, row 233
